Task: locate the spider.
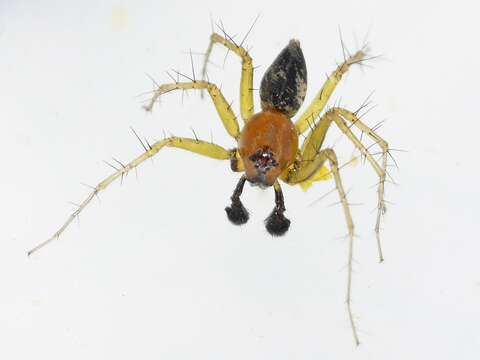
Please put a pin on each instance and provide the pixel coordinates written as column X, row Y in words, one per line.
column 268, row 150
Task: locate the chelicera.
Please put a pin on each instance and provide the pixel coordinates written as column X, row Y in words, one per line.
column 268, row 150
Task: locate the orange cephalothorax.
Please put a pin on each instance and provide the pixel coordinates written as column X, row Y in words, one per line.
column 268, row 144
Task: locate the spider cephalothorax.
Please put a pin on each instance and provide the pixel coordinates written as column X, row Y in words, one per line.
column 268, row 145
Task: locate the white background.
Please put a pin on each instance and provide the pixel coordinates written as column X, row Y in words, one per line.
column 154, row 270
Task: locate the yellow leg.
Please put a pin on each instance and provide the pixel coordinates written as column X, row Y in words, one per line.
column 314, row 141
column 302, row 173
column 197, row 146
column 318, row 104
column 340, row 115
column 223, row 107
column 246, row 84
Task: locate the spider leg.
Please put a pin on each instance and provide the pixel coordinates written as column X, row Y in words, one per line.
column 340, row 116
column 237, row 213
column 276, row 223
column 196, row 146
column 246, row 83
column 302, row 173
column 224, row 109
column 320, row 100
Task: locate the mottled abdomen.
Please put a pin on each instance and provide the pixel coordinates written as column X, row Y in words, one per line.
column 284, row 85
column 268, row 144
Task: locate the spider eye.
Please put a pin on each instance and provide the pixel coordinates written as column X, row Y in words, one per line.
column 263, row 160
column 284, row 85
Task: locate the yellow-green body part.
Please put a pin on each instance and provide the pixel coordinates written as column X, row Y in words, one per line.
column 224, row 109
column 193, row 145
column 246, row 81
column 309, row 116
column 323, row 174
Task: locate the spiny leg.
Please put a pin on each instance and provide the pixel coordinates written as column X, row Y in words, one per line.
column 196, row 146
column 276, row 223
column 310, row 168
column 348, row 217
column 315, row 139
column 224, row 109
column 315, row 108
column 339, row 116
column 246, row 83
column 237, row 213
